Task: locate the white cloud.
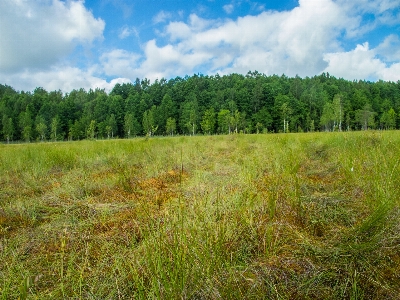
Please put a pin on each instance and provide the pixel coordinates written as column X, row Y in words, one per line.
column 369, row 6
column 389, row 49
column 37, row 34
column 382, row 62
column 157, row 62
column 383, row 11
column 198, row 24
column 59, row 77
column 178, row 30
column 356, row 64
column 302, row 41
column 390, row 73
column 272, row 42
column 120, row 63
column 162, row 17
column 306, row 40
column 127, row 31
column 228, row 8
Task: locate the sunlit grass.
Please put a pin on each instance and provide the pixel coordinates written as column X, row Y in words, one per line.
column 285, row 216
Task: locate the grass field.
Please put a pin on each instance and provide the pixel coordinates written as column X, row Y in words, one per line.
column 283, row 216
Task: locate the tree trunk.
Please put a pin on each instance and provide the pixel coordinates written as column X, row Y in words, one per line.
column 284, row 125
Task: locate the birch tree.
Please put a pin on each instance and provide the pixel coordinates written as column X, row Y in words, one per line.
column 327, row 116
column 366, row 117
column 170, row 126
column 131, row 125
column 337, row 111
column 149, row 125
column 8, row 128
column 189, row 115
column 286, row 111
column 41, row 128
column 91, row 129
column 54, row 127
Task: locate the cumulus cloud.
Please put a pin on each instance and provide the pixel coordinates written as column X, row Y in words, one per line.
column 305, row 41
column 36, row 34
column 390, row 73
column 120, row 62
column 312, row 38
column 290, row 42
column 60, row 77
column 355, row 64
column 365, row 63
column 156, row 62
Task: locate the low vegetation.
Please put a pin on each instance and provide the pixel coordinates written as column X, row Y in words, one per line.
column 284, row 216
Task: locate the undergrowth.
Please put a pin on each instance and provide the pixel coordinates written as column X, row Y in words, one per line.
column 285, row 216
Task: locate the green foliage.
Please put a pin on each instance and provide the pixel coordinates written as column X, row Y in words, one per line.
column 327, row 117
column 170, row 126
column 208, row 121
column 111, row 126
column 255, row 102
column 55, row 122
column 190, row 114
column 149, row 124
column 388, row 119
column 8, row 128
column 131, row 126
column 91, row 130
column 224, row 121
column 366, row 117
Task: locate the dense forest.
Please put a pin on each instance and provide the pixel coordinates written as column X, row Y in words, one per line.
column 199, row 104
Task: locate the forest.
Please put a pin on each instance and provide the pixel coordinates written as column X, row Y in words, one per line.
column 200, row 104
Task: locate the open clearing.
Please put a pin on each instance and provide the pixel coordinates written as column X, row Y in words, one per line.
column 284, row 216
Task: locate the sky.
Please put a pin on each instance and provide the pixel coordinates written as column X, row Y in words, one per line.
column 72, row 44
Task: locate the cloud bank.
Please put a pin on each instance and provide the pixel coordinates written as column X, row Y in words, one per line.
column 32, row 49
column 314, row 37
column 305, row 41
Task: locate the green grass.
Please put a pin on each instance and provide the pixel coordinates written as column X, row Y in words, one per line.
column 284, row 216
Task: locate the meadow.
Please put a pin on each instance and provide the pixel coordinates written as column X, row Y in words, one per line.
column 268, row 216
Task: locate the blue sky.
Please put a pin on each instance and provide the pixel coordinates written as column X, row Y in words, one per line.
column 75, row 44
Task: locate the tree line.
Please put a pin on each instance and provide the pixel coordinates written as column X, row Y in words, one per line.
column 198, row 104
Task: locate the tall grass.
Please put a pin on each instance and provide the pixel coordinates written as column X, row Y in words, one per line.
column 286, row 216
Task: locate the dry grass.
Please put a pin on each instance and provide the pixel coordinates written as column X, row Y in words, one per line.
column 293, row 216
